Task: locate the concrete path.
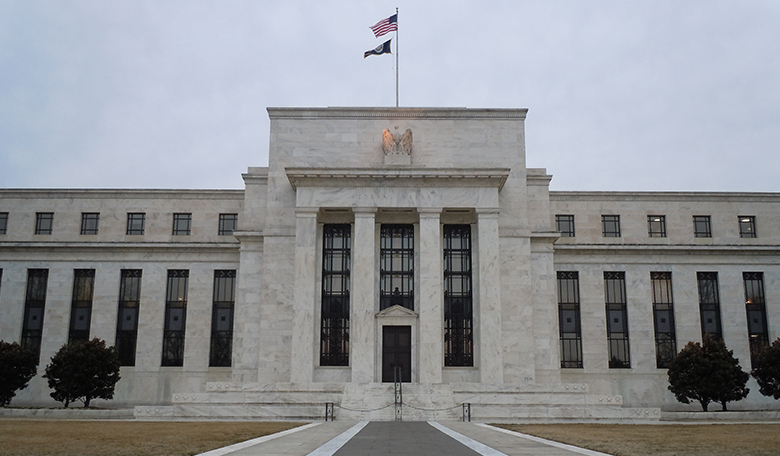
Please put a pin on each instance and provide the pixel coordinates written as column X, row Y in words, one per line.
column 350, row 438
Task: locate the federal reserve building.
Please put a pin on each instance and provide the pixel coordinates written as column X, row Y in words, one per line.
column 384, row 247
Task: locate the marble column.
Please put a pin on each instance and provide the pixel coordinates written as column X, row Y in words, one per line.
column 362, row 325
column 488, row 289
column 303, row 344
column 431, row 350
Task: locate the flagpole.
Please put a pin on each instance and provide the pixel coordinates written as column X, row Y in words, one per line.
column 396, row 57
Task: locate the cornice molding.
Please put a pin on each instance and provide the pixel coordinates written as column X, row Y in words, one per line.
column 396, row 113
column 397, row 177
column 665, row 196
column 60, row 193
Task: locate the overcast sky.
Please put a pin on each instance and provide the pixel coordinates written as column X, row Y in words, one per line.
column 622, row 95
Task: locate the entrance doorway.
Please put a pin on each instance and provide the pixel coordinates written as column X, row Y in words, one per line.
column 396, row 352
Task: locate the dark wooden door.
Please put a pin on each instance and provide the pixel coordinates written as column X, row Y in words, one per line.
column 396, row 352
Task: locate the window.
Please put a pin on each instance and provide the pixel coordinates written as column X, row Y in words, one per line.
column 756, row 313
column 709, row 304
column 43, row 222
column 181, row 224
column 569, row 319
column 656, row 225
column 3, row 222
column 396, row 263
column 127, row 318
column 81, row 305
column 34, row 304
column 701, row 226
column 222, row 318
column 135, row 223
column 610, row 225
column 175, row 318
column 565, row 224
column 458, row 306
column 747, row 226
column 334, row 327
column 617, row 320
column 89, row 222
column 663, row 319
column 227, row 224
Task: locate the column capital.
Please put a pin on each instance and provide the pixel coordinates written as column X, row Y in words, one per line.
column 429, row 212
column 306, row 211
column 487, row 212
column 364, row 211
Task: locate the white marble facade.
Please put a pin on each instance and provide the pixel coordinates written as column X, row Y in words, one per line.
column 327, row 165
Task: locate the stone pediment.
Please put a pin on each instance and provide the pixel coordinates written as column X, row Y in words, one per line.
column 397, row 311
column 398, row 177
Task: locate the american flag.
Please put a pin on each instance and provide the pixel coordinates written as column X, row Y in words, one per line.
column 385, row 26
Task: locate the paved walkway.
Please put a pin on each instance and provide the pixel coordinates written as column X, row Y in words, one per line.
column 350, row 438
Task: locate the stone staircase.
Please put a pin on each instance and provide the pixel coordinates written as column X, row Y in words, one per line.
column 531, row 402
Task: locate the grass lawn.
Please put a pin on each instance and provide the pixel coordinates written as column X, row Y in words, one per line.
column 125, row 438
column 665, row 439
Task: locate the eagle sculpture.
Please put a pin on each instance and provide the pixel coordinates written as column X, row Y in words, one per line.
column 397, row 143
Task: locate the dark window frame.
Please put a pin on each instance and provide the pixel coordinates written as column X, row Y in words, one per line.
column 610, row 225
column 81, row 305
column 44, row 222
column 222, row 318
column 458, row 297
column 702, row 226
column 335, row 294
column 182, row 224
column 3, row 222
column 564, row 223
column 227, row 224
column 663, row 319
column 617, row 319
column 656, row 226
column 175, row 317
column 747, row 226
column 90, row 222
column 127, row 316
column 134, row 219
column 34, row 310
column 396, row 266
column 569, row 319
column 755, row 307
column 709, row 304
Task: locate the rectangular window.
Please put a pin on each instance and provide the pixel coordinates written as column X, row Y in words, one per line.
column 458, row 303
column 227, row 224
column 663, row 319
column 656, row 225
column 182, row 224
column 89, row 222
column 34, row 304
column 175, row 317
column 702, row 227
column 224, row 299
column 569, row 319
column 44, row 222
column 755, row 306
column 747, row 226
column 127, row 318
column 81, row 305
column 396, row 266
column 610, row 225
column 135, row 223
column 617, row 320
column 334, row 327
column 565, row 224
column 3, row 222
column 709, row 304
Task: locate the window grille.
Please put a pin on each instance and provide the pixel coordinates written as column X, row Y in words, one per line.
column 663, row 319
column 127, row 318
column 135, row 223
column 709, row 304
column 44, row 222
column 569, row 319
column 565, row 224
column 81, row 305
column 747, row 226
column 223, row 306
column 334, row 305
column 89, row 223
column 617, row 320
column 458, row 307
column 227, row 224
column 396, row 273
column 702, row 226
column 175, row 318
column 610, row 225
column 656, row 225
column 182, row 224
column 34, row 304
column 755, row 305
